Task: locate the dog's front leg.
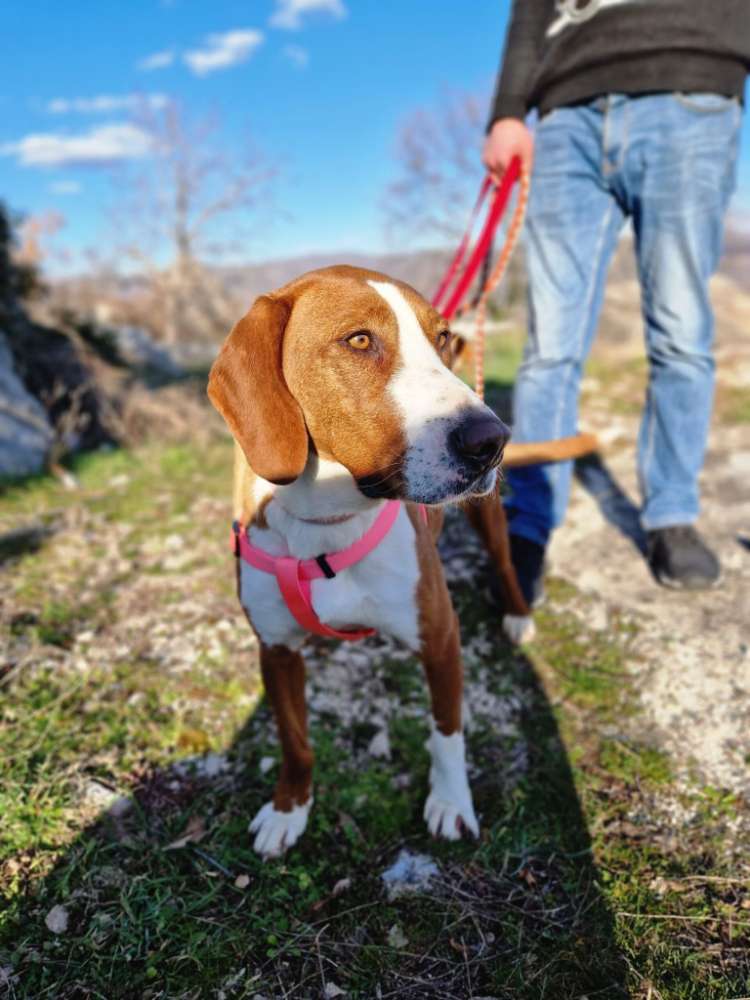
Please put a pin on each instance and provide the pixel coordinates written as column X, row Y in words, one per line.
column 282, row 821
column 487, row 516
column 449, row 805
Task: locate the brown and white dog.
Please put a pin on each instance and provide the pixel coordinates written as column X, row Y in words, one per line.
column 337, row 392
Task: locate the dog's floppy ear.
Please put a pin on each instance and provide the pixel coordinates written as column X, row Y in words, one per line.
column 247, row 387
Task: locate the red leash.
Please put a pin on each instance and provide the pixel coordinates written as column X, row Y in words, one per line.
column 500, row 199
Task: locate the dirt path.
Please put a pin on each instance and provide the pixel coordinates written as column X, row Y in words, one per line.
column 691, row 654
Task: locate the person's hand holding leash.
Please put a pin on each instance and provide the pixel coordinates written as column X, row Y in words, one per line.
column 507, row 138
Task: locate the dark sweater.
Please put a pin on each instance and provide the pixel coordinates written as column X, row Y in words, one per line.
column 554, row 57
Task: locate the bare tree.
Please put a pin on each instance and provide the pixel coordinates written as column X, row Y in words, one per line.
column 34, row 233
column 437, row 151
column 190, row 209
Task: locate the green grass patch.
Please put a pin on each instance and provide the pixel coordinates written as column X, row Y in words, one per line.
column 503, row 353
column 633, row 763
column 577, row 887
column 733, row 405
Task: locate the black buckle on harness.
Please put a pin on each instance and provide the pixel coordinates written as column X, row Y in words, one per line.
column 236, row 532
column 325, row 566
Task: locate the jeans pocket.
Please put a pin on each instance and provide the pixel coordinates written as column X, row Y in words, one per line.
column 706, row 103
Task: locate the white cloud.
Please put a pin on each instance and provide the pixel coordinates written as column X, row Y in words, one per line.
column 157, row 60
column 289, row 13
column 101, row 145
column 296, row 55
column 106, row 103
column 223, row 51
column 65, row 187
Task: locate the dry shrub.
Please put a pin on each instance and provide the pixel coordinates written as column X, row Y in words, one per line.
column 173, row 413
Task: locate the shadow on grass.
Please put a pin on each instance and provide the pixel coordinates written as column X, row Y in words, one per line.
column 22, row 541
column 591, row 472
column 613, row 502
column 499, row 395
column 517, row 915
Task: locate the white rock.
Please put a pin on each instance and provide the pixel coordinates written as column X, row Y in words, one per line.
column 396, row 937
column 25, row 433
column 380, row 745
column 98, row 796
column 57, row 919
column 409, row 873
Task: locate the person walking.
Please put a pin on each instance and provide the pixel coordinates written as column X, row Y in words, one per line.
column 639, row 109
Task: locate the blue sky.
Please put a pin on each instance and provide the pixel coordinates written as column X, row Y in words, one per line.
column 322, row 91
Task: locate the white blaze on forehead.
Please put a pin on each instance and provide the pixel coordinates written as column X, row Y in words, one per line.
column 431, row 402
column 423, row 388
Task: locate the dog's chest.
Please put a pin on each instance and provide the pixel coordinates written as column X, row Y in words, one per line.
column 380, row 592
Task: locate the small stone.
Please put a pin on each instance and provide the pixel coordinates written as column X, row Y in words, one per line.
column 597, row 617
column 6, row 975
column 120, row 807
column 99, row 796
column 242, row 881
column 380, row 745
column 396, row 937
column 332, row 990
column 409, row 873
column 266, row 763
column 213, row 765
column 57, row 920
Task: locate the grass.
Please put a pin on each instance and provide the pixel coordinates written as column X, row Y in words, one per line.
column 126, row 656
column 502, row 357
column 733, row 404
column 622, row 382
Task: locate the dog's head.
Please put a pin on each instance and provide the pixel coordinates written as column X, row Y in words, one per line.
column 355, row 365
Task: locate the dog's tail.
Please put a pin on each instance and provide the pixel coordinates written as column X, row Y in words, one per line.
column 535, row 452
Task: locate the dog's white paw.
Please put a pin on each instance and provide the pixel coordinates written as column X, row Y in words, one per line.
column 519, row 628
column 449, row 807
column 448, row 819
column 276, row 831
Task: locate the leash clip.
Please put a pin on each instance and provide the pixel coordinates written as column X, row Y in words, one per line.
column 325, row 566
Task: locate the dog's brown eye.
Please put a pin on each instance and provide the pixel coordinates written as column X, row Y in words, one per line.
column 443, row 339
column 360, row 341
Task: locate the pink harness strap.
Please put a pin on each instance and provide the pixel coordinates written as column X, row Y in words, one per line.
column 295, row 575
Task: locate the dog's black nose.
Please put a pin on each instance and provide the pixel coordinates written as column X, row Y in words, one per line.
column 480, row 439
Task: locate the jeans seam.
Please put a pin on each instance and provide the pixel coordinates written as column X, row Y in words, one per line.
column 559, row 468
column 605, row 135
column 670, row 521
column 649, row 451
column 627, row 107
column 586, row 311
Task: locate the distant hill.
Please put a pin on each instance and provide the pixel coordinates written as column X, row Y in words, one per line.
column 621, row 317
column 421, row 268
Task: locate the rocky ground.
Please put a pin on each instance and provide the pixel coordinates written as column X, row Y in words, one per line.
column 691, row 651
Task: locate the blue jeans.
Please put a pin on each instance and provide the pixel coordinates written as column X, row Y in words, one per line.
column 667, row 162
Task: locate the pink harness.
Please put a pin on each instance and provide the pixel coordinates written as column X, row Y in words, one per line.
column 295, row 575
